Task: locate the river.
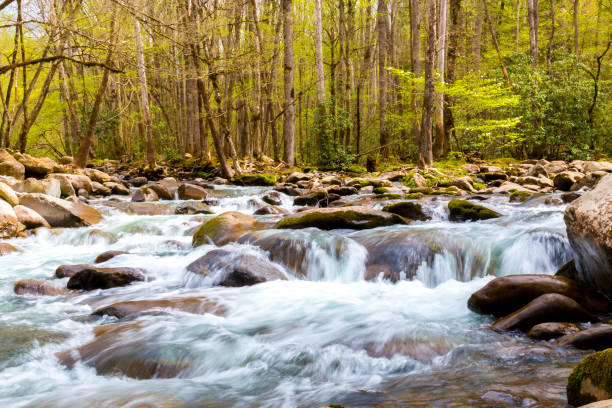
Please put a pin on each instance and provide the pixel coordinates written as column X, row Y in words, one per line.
column 324, row 336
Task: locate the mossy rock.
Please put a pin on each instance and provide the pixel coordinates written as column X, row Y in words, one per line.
column 407, row 209
column 462, row 210
column 381, row 190
column 256, row 179
column 224, row 228
column 389, row 196
column 422, row 190
column 479, row 186
column 358, row 218
column 356, row 169
column 413, row 196
column 591, row 379
column 519, row 196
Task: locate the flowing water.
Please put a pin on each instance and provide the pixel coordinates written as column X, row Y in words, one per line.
column 326, row 335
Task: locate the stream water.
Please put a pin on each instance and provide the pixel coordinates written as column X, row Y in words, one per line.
column 324, row 336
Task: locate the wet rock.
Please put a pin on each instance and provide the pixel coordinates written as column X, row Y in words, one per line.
column 191, row 192
column 61, row 213
column 270, row 210
column 342, row 190
column 461, row 210
column 162, row 192
column 9, row 166
column 569, row 197
column 220, row 181
column 100, row 189
column 548, row 331
column 9, row 225
column 272, row 198
column 30, row 218
column 36, row 288
column 116, row 188
column 407, row 209
column 507, row 294
column 7, row 194
column 311, row 198
column 228, row 268
column 68, row 271
column 193, row 207
column 108, row 255
column 225, row 228
column 6, row 248
column 149, row 209
column 502, row 399
column 596, row 338
column 565, row 180
column 195, row 305
column 138, row 181
column 587, row 182
column 92, row 278
column 551, row 307
column 35, row 166
column 342, row 217
column 256, row 180
column 424, row 350
column 589, row 222
column 295, row 177
column 48, row 186
column 591, row 379
column 97, row 176
column 144, row 194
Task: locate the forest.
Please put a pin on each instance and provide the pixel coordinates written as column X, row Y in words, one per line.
column 327, row 83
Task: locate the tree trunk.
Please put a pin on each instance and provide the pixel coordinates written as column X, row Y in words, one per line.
column 425, row 146
column 381, row 29
column 552, row 34
column 532, row 9
column 439, row 142
column 144, row 98
column 576, row 10
column 518, row 26
column 451, row 67
column 289, row 79
column 415, row 62
column 477, row 38
column 319, row 53
column 495, row 43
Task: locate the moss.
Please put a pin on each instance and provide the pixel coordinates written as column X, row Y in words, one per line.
column 262, row 179
column 519, row 196
column 341, row 218
column 354, row 168
column 413, row 196
column 204, row 235
column 389, row 196
column 407, row 209
column 205, row 175
column 381, row 190
column 408, row 181
column 479, row 186
column 596, row 368
column 461, row 210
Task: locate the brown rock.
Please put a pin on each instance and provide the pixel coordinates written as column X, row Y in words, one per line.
column 547, row 331
column 61, row 213
column 144, row 194
column 92, row 278
column 108, row 255
column 6, row 248
column 341, row 217
column 195, row 305
column 596, row 338
column 30, row 218
column 188, row 191
column 225, row 228
column 37, row 288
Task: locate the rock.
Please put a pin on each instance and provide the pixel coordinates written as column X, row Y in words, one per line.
column 92, row 278
column 589, row 222
column 193, row 207
column 191, row 192
column 220, row 181
column 48, row 186
column 570, row 197
column 256, row 179
column 295, row 177
column 464, row 183
column 596, row 338
column 8, row 195
column 551, row 307
column 9, row 225
column 342, row 190
column 556, row 166
column 194, row 305
column 591, row 379
column 149, row 209
column 342, row 217
column 289, row 189
column 108, row 255
column 35, row 166
column 235, row 269
column 116, row 188
column 98, row 176
column 494, row 175
column 536, row 181
column 68, row 271
column 36, row 288
column 30, row 218
column 6, row 248
column 462, row 210
column 67, row 160
column 508, row 187
column 490, row 169
column 137, row 181
column 407, row 209
column 272, row 198
column 100, row 189
column 225, row 228
column 565, row 180
column 507, row 294
column 312, row 198
column 144, row 194
column 419, row 180
column 78, row 182
column 9, row 166
column 83, row 194
column 537, row 171
column 61, row 213
column 548, row 331
column 591, row 166
column 270, row 210
column 471, row 168
column 162, row 191
column 332, row 180
column 66, row 188
column 568, row 270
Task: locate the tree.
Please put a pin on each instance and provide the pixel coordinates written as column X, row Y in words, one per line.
column 144, row 98
column 289, row 78
column 425, row 146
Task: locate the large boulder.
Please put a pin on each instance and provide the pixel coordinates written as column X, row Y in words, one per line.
column 144, row 194
column 595, row 338
column 162, row 191
column 193, row 207
column 551, row 307
column 343, row 217
column 507, row 294
column 30, row 218
column 66, row 188
column 61, row 213
column 9, row 166
column 565, row 180
column 117, row 188
column 225, row 228
column 77, row 181
column 591, row 379
column 462, row 210
column 31, row 185
column 407, row 209
column 36, row 166
column 235, row 269
column 187, row 191
column 97, row 176
column 9, row 225
column 91, row 278
column 100, row 189
column 8, row 195
column 589, row 229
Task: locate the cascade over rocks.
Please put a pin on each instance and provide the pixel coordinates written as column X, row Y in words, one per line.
column 195, row 305
column 61, row 213
column 589, row 230
column 234, row 269
column 225, row 228
column 343, row 217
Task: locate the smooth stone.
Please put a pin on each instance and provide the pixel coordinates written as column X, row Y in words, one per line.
column 30, row 218
column 342, row 217
column 194, row 305
column 108, row 255
column 547, row 331
column 61, row 213
column 188, row 191
column 37, row 288
column 596, row 338
column 591, row 380
column 225, row 228
column 407, row 209
column 462, row 210
column 92, row 278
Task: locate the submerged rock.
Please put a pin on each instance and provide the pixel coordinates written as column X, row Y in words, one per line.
column 195, row 305
column 61, row 213
column 91, row 278
column 589, row 226
column 551, row 307
column 507, row 294
column 591, row 379
column 596, row 338
column 342, row 217
column 225, row 228
column 270, row 210
column 6, row 248
column 461, row 210
column 228, row 268
column 37, row 288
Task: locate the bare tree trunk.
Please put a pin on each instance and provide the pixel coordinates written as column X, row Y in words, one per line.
column 495, row 43
column 552, row 34
column 576, row 10
column 415, row 61
column 439, row 142
column 451, row 67
column 425, row 147
column 319, row 53
column 518, row 26
column 381, row 29
column 289, row 78
column 144, row 98
column 258, row 110
column 532, row 9
column 477, row 38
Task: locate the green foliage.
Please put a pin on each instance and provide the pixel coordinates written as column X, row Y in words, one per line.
column 329, row 121
column 357, row 169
